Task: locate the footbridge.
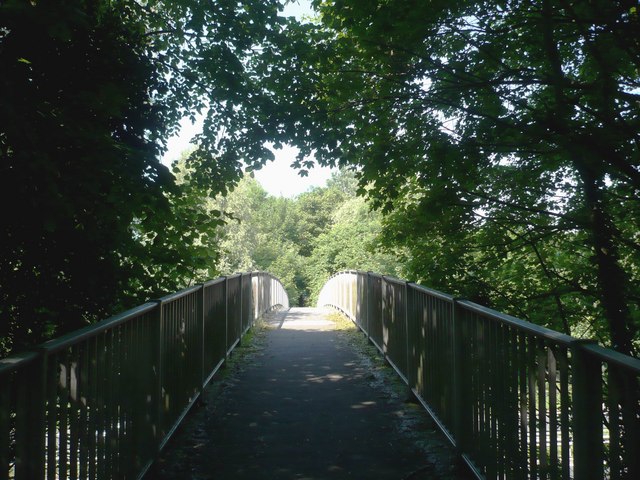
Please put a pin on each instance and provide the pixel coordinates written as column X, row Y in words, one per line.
column 513, row 400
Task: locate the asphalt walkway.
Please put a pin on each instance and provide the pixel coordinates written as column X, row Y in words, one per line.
column 303, row 403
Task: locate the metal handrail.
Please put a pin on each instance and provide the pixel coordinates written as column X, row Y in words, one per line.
column 532, row 328
column 179, row 294
column 90, row 331
column 16, row 361
column 613, row 357
column 101, row 402
column 517, row 400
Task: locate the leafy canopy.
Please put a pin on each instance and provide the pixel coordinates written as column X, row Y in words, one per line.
column 512, row 126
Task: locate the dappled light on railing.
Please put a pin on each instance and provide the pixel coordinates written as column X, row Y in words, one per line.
column 100, row 403
column 516, row 399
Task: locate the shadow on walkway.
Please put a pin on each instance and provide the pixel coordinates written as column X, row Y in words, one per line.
column 302, row 403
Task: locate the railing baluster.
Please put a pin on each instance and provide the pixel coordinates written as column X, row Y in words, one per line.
column 630, row 392
column 517, row 463
column 158, row 341
column 613, row 405
column 565, row 451
column 553, row 415
column 462, row 410
column 492, row 398
column 541, row 360
column 587, row 400
column 83, row 423
column 6, row 407
column 30, row 414
column 52, row 418
column 533, row 408
column 63, row 415
column 108, row 401
column 501, row 399
column 92, row 402
column 73, row 413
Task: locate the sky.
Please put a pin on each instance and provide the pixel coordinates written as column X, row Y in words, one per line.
column 278, row 178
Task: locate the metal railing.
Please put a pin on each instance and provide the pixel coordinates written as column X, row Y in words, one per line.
column 518, row 401
column 101, row 402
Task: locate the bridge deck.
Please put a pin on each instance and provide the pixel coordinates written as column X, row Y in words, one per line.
column 305, row 403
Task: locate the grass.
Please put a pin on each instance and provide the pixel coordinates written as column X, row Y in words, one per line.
column 342, row 323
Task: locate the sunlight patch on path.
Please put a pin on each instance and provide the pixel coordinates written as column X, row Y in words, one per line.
column 305, row 319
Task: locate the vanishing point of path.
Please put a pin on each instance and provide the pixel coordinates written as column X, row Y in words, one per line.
column 304, row 402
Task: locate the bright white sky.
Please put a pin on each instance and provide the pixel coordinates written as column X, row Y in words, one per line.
column 278, row 178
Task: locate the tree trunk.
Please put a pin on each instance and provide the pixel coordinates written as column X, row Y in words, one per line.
column 613, row 281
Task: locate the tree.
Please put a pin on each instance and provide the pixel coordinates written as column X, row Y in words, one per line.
column 301, row 240
column 501, row 116
column 90, row 91
column 243, row 236
column 350, row 244
column 77, row 165
column 176, row 248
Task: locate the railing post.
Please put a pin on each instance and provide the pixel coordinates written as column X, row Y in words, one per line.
column 31, row 415
column 226, row 319
column 158, row 411
column 406, row 335
column 254, row 294
column 586, row 376
column 461, row 408
column 241, row 329
column 383, row 304
column 409, row 313
column 368, row 290
column 352, row 299
column 201, row 319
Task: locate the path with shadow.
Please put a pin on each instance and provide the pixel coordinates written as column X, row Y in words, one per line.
column 302, row 403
